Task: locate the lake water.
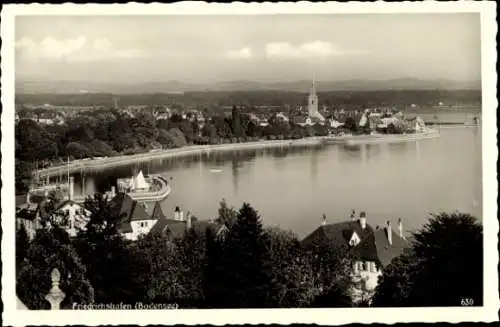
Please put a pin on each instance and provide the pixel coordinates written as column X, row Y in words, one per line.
column 292, row 188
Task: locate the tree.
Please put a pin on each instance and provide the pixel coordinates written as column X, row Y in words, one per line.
column 443, row 267
column 241, row 275
column 107, row 256
column 227, row 216
column 292, row 269
column 331, row 266
column 236, row 122
column 52, row 249
column 34, row 142
column 155, row 274
column 177, row 137
column 350, row 124
column 209, row 131
column 100, row 148
column 22, row 245
column 190, row 253
column 77, row 150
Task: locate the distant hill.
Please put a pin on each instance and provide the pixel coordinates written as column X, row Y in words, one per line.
column 59, row 87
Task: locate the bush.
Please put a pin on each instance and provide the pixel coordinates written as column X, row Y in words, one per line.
column 77, row 150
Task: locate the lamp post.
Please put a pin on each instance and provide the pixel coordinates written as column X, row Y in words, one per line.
column 55, row 295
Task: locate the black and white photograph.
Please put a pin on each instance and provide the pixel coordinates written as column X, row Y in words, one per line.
column 156, row 160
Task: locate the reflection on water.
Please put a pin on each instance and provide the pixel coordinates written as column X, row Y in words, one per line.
column 292, row 187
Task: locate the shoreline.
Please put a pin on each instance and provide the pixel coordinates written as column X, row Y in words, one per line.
column 122, row 160
column 85, row 164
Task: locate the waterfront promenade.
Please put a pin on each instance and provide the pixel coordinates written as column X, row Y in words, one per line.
column 102, row 163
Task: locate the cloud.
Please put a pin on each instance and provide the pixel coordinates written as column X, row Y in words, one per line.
column 243, row 53
column 316, row 49
column 77, row 49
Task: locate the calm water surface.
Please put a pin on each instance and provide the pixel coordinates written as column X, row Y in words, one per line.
column 292, row 188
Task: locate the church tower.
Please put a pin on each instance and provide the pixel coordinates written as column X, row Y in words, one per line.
column 312, row 105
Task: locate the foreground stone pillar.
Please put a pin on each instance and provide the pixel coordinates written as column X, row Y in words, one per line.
column 55, row 296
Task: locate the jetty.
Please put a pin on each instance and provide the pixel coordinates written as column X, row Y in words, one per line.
column 153, row 188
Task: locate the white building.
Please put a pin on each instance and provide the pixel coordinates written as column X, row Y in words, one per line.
column 135, row 220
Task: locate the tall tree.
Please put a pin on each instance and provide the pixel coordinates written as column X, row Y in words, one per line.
column 292, row 269
column 51, row 248
column 191, row 254
column 227, row 216
column 106, row 254
column 331, row 266
column 444, row 266
column 244, row 275
column 236, row 122
column 22, row 246
column 156, row 270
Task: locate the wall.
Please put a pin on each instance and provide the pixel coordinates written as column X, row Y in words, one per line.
column 369, row 276
column 140, row 227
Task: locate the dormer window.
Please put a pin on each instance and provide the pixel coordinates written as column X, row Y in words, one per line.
column 354, row 239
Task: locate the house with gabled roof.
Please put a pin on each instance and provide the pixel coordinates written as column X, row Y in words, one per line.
column 176, row 227
column 134, row 218
column 70, row 216
column 372, row 249
column 26, row 217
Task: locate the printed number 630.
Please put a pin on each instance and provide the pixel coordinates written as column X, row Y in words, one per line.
column 467, row 302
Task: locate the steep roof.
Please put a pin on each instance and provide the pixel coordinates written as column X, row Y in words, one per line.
column 172, row 228
column 339, row 234
column 373, row 245
column 139, row 212
column 129, row 210
column 158, row 212
column 26, row 214
column 385, row 251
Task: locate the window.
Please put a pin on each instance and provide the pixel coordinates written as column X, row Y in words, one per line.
column 354, row 239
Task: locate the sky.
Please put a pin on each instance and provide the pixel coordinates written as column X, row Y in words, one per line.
column 267, row 48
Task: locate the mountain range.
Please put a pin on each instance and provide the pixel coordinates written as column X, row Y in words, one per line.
column 65, row 87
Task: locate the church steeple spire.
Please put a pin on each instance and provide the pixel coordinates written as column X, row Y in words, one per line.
column 313, row 87
column 312, row 106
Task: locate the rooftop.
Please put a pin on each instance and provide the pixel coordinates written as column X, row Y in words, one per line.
column 373, row 244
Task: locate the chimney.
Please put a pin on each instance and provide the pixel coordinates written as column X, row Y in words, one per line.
column 188, row 220
column 71, row 188
column 362, row 219
column 388, row 228
column 324, row 220
column 177, row 213
column 400, row 228
column 353, row 215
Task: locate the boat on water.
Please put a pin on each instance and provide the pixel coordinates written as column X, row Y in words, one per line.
column 141, row 188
